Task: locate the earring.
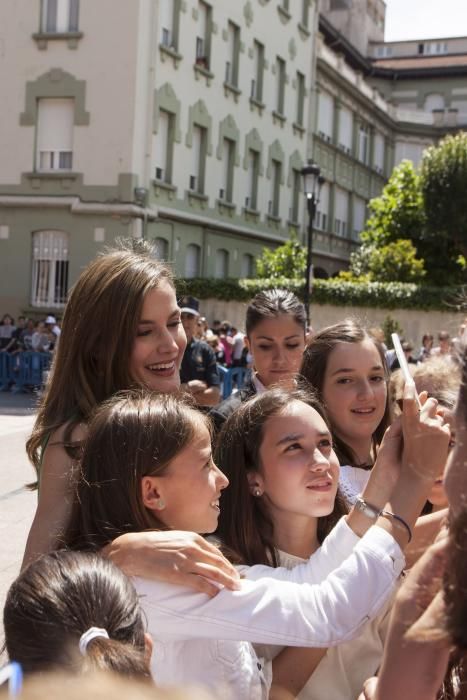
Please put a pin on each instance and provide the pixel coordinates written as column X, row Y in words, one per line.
column 160, row 505
column 257, row 493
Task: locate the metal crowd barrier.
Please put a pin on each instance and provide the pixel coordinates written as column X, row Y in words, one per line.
column 23, row 369
column 234, row 376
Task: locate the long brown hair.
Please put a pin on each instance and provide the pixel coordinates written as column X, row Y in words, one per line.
column 245, row 524
column 58, row 598
column 133, row 434
column 98, row 330
column 313, row 369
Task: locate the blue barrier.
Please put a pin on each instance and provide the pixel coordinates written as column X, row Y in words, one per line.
column 5, row 370
column 230, row 377
column 24, row 369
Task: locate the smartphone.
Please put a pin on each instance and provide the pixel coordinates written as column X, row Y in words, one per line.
column 404, row 364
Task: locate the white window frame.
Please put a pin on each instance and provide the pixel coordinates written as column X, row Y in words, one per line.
column 59, row 16
column 50, row 269
column 51, row 154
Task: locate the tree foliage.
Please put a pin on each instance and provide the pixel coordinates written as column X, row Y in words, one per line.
column 287, row 260
column 399, row 214
column 444, row 188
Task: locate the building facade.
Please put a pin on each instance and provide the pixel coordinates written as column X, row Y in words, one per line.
column 376, row 104
column 183, row 121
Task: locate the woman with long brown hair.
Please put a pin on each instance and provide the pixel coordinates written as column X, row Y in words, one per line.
column 121, row 328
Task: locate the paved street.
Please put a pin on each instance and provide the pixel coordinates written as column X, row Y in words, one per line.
column 17, row 504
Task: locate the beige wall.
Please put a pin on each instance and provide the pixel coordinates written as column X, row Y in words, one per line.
column 414, row 323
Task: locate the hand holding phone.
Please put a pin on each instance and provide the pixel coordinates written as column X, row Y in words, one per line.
column 404, row 365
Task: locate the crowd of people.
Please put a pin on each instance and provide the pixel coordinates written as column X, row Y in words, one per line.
column 253, row 547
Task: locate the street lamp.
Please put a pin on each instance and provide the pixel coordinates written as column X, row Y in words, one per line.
column 312, row 184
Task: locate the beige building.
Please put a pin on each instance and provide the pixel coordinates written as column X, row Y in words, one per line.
column 182, row 121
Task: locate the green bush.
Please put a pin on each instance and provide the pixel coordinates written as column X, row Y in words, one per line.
column 337, row 292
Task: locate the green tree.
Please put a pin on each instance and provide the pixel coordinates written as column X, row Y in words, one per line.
column 399, row 213
column 444, row 187
column 287, row 260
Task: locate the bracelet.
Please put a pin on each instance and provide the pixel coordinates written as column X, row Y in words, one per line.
column 366, row 508
column 388, row 514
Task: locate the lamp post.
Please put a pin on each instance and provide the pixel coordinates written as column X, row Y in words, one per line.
column 312, row 184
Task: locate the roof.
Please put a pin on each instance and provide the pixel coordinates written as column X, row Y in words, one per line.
column 421, row 62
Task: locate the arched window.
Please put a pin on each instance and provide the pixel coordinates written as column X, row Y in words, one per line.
column 248, row 265
column 50, row 264
column 192, row 260
column 162, row 248
column 222, row 264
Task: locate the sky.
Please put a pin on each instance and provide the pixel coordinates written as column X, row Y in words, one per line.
column 425, row 19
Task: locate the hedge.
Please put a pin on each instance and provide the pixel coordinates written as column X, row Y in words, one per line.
column 385, row 295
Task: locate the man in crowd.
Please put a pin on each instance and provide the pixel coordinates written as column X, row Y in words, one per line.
column 198, row 374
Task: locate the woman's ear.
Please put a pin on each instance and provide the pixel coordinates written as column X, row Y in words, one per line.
column 148, row 647
column 151, row 494
column 256, row 484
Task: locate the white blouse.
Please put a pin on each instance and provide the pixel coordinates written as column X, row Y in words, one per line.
column 320, row 603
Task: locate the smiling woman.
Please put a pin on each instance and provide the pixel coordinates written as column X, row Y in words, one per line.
column 121, row 329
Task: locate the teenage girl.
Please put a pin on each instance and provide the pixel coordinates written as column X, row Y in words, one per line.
column 347, row 368
column 279, row 509
column 75, row 612
column 147, row 464
column 275, row 326
column 121, row 328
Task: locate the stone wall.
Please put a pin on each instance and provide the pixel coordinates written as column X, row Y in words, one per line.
column 414, row 323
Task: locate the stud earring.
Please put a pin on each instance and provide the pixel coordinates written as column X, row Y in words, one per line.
column 257, row 493
column 160, row 505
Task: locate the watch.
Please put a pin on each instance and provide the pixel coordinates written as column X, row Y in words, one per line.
column 367, row 509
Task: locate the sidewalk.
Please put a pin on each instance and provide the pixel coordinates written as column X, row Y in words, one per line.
column 17, row 504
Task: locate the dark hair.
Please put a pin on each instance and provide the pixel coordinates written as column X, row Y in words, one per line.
column 59, row 597
column 134, row 434
column 245, row 525
column 99, row 327
column 315, row 360
column 271, row 304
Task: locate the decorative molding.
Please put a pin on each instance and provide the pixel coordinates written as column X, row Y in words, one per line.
column 55, row 83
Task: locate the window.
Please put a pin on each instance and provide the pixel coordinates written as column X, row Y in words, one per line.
column 161, row 246
column 300, row 98
column 59, row 16
column 359, row 217
column 251, row 200
column 49, row 269
column 203, row 40
column 169, row 20
column 378, row 155
column 345, row 129
column 228, row 162
column 248, row 266
column 192, row 261
column 323, row 208
column 274, row 203
column 221, row 270
column 164, row 146
column 233, row 52
column 434, row 102
column 305, row 12
column 258, row 72
column 198, row 151
column 364, row 145
column 294, row 214
column 280, row 85
column 341, row 208
column 54, row 150
column 325, row 115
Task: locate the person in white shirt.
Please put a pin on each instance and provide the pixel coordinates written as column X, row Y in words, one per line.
column 147, row 464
